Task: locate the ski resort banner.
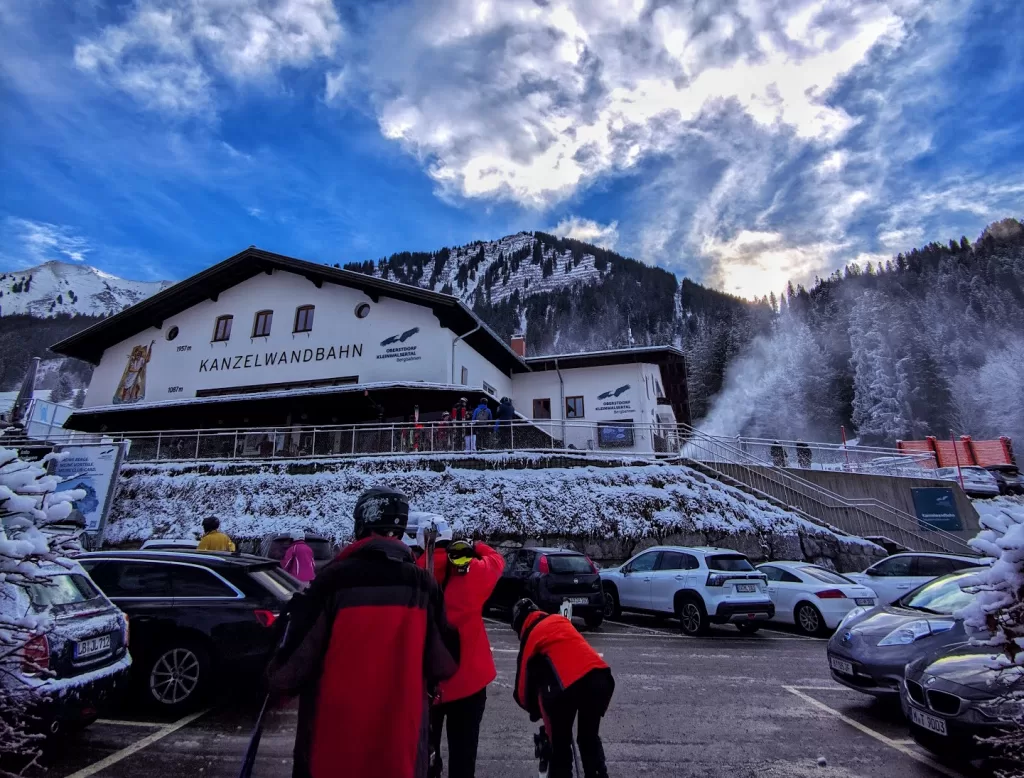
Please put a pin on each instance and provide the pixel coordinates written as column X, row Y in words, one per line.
column 93, row 468
column 936, row 509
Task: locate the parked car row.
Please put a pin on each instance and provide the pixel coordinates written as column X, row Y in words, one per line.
column 917, row 650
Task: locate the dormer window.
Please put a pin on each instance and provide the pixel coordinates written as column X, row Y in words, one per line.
column 222, row 329
column 304, row 318
column 261, row 324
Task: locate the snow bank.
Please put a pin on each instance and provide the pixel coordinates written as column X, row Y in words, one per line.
column 487, row 496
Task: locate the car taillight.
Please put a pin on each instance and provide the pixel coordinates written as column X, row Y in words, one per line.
column 716, row 580
column 830, row 594
column 126, row 632
column 265, row 618
column 35, row 655
column 544, row 566
column 590, row 561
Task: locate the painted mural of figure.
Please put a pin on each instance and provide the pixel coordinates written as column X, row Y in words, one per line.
column 133, row 381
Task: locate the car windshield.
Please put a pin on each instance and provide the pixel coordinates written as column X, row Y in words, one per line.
column 730, row 563
column 942, row 596
column 569, row 563
column 826, row 576
column 61, row 590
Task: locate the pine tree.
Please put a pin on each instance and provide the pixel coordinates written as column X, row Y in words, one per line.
column 79, row 400
column 63, row 391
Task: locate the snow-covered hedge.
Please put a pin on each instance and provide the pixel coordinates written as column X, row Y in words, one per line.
column 489, row 496
column 27, row 501
column 999, row 607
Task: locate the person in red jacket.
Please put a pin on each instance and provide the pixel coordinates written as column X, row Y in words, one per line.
column 559, row 677
column 467, row 573
column 365, row 648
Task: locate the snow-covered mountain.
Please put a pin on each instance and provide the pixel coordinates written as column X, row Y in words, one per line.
column 60, row 288
column 491, row 271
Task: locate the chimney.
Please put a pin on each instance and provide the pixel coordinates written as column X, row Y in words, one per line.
column 519, row 345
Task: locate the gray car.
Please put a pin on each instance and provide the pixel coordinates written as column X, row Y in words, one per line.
column 953, row 699
column 870, row 650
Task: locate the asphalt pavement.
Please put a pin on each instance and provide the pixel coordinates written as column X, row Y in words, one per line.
column 726, row 705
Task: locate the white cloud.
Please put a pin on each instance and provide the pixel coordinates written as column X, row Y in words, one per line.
column 39, row 242
column 531, row 101
column 169, row 54
column 335, row 84
column 255, row 213
column 754, row 263
column 588, row 231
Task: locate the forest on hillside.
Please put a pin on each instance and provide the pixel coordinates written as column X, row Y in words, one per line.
column 23, row 337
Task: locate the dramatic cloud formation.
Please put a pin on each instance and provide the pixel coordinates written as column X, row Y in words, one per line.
column 168, row 54
column 743, row 143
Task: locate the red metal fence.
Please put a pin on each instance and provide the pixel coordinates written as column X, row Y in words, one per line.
column 963, row 452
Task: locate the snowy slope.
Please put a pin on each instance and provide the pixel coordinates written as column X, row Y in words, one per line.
column 57, row 287
column 465, row 271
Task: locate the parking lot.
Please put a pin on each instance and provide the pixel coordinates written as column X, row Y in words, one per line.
column 724, row 705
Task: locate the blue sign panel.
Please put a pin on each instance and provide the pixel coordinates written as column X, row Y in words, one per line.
column 936, row 509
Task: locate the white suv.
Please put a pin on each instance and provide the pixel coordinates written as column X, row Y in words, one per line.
column 699, row 586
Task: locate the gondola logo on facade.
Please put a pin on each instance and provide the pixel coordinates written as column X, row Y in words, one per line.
column 278, row 358
column 609, row 401
column 396, row 348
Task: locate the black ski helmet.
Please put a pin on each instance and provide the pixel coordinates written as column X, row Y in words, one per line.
column 381, row 511
column 520, row 611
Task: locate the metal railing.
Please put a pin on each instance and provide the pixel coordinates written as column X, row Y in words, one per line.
column 806, row 455
column 346, row 440
column 863, row 517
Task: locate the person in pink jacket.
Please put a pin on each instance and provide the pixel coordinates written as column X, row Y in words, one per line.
column 298, row 559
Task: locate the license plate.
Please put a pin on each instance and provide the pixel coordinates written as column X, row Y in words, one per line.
column 867, row 601
column 931, row 723
column 84, row 648
column 846, row 668
column 577, row 600
column 746, row 588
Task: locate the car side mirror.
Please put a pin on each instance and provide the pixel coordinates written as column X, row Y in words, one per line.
column 626, row 571
column 871, row 571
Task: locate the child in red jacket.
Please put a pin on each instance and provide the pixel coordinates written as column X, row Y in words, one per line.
column 558, row 677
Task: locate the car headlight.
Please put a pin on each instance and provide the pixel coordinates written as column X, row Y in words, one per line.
column 859, row 610
column 1002, row 710
column 915, row 630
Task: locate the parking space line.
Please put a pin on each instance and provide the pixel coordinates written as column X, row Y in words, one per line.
column 898, row 745
column 836, row 688
column 125, row 723
column 138, row 745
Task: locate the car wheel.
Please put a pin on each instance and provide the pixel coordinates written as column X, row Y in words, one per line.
column 593, row 620
column 748, row 628
column 693, row 617
column 611, row 603
column 809, row 619
column 176, row 677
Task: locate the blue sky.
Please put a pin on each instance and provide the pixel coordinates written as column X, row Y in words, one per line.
column 741, row 143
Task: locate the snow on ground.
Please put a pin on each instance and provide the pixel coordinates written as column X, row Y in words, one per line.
column 491, row 495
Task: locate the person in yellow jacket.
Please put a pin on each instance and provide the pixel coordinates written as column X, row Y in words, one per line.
column 214, row 539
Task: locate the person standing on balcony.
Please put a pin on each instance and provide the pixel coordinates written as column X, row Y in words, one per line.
column 460, row 421
column 503, row 425
column 481, row 418
column 214, row 539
